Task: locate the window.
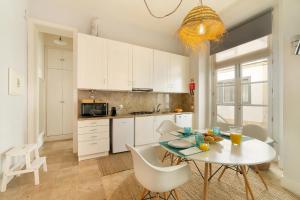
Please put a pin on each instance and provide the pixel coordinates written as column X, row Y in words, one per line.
column 226, row 91
column 249, row 47
column 242, row 85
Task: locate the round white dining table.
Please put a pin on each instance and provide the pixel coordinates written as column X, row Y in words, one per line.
column 250, row 152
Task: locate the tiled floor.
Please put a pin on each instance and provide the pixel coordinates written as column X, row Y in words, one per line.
column 68, row 179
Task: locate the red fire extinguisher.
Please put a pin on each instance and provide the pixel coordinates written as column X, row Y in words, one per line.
column 192, row 86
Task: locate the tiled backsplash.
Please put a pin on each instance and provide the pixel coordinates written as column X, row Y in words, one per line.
column 141, row 101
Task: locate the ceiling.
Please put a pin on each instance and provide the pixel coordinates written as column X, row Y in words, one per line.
column 134, row 12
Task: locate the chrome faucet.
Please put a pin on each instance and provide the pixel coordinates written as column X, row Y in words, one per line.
column 157, row 108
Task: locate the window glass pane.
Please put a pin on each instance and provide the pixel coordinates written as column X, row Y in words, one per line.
column 227, row 73
column 258, row 44
column 255, row 94
column 255, row 115
column 255, row 70
column 225, row 114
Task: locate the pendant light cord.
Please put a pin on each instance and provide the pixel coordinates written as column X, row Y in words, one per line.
column 166, row 15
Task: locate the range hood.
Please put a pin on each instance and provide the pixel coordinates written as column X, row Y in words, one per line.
column 142, row 89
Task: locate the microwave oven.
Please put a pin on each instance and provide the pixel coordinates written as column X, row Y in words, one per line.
column 94, row 109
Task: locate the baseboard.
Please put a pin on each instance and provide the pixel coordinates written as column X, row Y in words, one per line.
column 58, row 137
column 291, row 185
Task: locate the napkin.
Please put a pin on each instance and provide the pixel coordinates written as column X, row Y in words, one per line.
column 190, row 151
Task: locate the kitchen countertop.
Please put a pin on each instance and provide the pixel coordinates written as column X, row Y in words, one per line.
column 132, row 116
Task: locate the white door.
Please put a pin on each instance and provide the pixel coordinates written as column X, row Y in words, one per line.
column 157, row 122
column 123, row 133
column 54, row 102
column 179, row 74
column 67, row 60
column 161, row 70
column 54, row 58
column 142, row 62
column 92, row 62
column 67, row 97
column 119, row 62
column 144, row 130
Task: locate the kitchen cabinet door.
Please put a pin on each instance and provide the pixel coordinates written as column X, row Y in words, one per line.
column 179, row 74
column 142, row 63
column 144, row 130
column 119, row 57
column 91, row 63
column 157, row 122
column 161, row 70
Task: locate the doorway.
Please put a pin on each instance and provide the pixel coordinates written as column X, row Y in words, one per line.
column 59, row 87
column 43, row 82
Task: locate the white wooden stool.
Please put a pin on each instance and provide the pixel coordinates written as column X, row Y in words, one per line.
column 31, row 166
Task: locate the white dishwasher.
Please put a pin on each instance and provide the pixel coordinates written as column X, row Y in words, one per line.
column 122, row 133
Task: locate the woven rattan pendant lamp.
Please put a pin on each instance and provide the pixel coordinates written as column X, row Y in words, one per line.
column 201, row 24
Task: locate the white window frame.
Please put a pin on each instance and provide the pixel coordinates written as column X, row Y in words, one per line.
column 236, row 61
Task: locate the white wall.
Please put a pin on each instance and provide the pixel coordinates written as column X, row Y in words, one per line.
column 77, row 16
column 289, row 16
column 13, row 51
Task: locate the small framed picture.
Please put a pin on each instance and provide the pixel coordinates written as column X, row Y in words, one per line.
column 16, row 82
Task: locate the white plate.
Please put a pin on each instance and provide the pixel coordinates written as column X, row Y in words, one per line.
column 225, row 133
column 180, row 144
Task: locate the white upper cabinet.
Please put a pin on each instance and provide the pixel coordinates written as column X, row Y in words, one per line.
column 111, row 65
column 179, row 74
column 142, row 62
column 119, row 62
column 91, row 62
column 162, row 61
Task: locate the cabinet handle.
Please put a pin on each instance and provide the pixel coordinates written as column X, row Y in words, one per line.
column 94, row 136
column 93, row 143
column 93, row 129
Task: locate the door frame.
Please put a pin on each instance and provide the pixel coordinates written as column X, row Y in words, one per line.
column 34, row 27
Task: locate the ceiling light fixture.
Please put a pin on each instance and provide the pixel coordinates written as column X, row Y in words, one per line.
column 201, row 24
column 60, row 42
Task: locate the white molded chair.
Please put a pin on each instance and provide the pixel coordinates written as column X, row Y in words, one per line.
column 165, row 127
column 153, row 176
column 255, row 131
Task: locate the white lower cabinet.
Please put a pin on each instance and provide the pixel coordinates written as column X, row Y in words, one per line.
column 146, row 126
column 93, row 138
column 143, row 130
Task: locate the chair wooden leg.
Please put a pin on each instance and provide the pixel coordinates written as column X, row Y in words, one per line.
column 157, row 196
column 260, row 176
column 165, row 155
column 247, row 185
column 144, row 193
column 222, row 173
column 165, row 196
column 172, row 159
column 210, row 169
column 176, row 195
column 205, row 188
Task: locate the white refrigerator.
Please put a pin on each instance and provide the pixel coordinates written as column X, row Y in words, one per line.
column 122, row 133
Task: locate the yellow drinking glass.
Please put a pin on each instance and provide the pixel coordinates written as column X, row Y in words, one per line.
column 236, row 138
column 204, row 146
